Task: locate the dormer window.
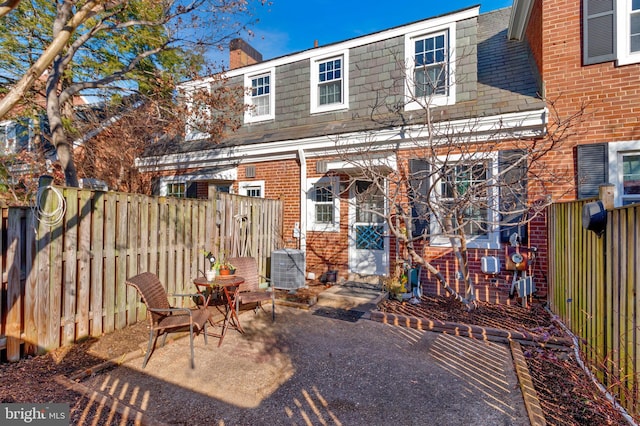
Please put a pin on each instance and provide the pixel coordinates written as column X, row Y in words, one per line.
column 430, row 68
column 260, row 96
column 430, row 72
column 329, row 83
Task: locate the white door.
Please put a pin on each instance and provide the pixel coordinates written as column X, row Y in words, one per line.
column 368, row 246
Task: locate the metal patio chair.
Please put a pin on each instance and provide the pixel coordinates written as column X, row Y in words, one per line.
column 250, row 290
column 165, row 319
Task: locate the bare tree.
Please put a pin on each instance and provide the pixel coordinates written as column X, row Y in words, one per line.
column 112, row 49
column 456, row 181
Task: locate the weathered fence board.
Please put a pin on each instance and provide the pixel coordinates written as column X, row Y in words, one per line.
column 594, row 288
column 72, row 283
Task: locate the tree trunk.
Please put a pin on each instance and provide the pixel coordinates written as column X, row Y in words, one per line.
column 58, row 134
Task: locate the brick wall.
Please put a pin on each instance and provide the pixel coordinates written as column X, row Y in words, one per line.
column 611, row 92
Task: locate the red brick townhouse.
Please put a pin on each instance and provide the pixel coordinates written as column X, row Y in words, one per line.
column 312, row 119
column 588, row 54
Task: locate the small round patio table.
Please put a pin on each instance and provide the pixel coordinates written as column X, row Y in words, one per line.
column 230, row 285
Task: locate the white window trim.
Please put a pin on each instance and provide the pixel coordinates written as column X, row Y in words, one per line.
column 248, row 117
column 242, row 187
column 411, row 104
column 311, row 211
column 616, row 151
column 623, row 31
column 313, row 64
column 492, row 239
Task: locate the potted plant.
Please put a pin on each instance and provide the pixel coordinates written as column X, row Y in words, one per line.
column 218, row 266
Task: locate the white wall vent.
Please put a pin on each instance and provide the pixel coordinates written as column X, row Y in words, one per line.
column 321, row 166
column 288, row 269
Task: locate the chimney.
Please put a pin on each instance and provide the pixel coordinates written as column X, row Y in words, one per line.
column 242, row 54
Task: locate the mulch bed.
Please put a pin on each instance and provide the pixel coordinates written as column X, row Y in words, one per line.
column 567, row 395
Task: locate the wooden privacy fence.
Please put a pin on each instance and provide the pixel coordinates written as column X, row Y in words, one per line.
column 594, row 288
column 63, row 278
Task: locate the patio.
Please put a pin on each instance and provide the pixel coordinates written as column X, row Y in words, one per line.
column 310, row 368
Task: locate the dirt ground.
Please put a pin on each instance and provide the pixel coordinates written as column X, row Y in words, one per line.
column 566, row 394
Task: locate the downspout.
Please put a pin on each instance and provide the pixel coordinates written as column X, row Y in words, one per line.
column 302, row 244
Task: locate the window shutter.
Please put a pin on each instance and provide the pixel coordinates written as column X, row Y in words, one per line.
column 593, row 165
column 598, row 31
column 419, row 196
column 513, row 194
column 192, row 190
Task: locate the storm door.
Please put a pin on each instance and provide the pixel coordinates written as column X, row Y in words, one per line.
column 368, row 244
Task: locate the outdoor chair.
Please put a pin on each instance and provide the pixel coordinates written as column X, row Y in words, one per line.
column 165, row 319
column 250, row 290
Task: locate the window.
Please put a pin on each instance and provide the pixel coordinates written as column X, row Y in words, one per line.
column 252, row 189
column 634, row 27
column 15, row 136
column 260, row 96
column 329, row 83
column 630, row 190
column 199, row 111
column 323, row 209
column 177, row 189
column 463, row 187
column 430, row 69
column 611, row 31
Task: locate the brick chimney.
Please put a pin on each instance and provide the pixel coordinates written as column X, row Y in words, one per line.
column 242, row 54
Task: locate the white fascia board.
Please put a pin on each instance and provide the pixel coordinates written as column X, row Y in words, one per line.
column 520, row 13
column 331, row 49
column 528, row 124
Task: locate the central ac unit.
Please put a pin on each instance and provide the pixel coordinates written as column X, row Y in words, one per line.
column 288, row 269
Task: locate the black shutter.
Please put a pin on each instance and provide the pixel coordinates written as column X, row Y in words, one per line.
column 512, row 168
column 192, row 190
column 593, row 169
column 419, row 196
column 598, row 31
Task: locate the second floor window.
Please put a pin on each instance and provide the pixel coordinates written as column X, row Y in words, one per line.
column 635, row 26
column 430, row 72
column 260, row 95
column 611, row 31
column 430, row 68
column 330, row 82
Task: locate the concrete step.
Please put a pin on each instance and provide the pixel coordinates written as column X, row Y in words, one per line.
column 351, row 298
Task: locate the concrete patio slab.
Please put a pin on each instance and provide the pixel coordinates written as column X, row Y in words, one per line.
column 312, row 368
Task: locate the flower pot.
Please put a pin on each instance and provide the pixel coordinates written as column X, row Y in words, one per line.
column 224, row 271
column 210, row 274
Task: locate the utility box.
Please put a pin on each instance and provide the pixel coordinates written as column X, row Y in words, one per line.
column 288, row 269
column 490, row 265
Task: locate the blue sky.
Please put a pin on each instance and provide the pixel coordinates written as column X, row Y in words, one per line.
column 289, row 26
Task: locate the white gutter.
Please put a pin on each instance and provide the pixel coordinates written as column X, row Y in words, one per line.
column 303, row 200
column 525, row 124
column 520, row 13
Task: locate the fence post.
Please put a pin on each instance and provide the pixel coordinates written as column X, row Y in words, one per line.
column 14, row 290
column 606, row 195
